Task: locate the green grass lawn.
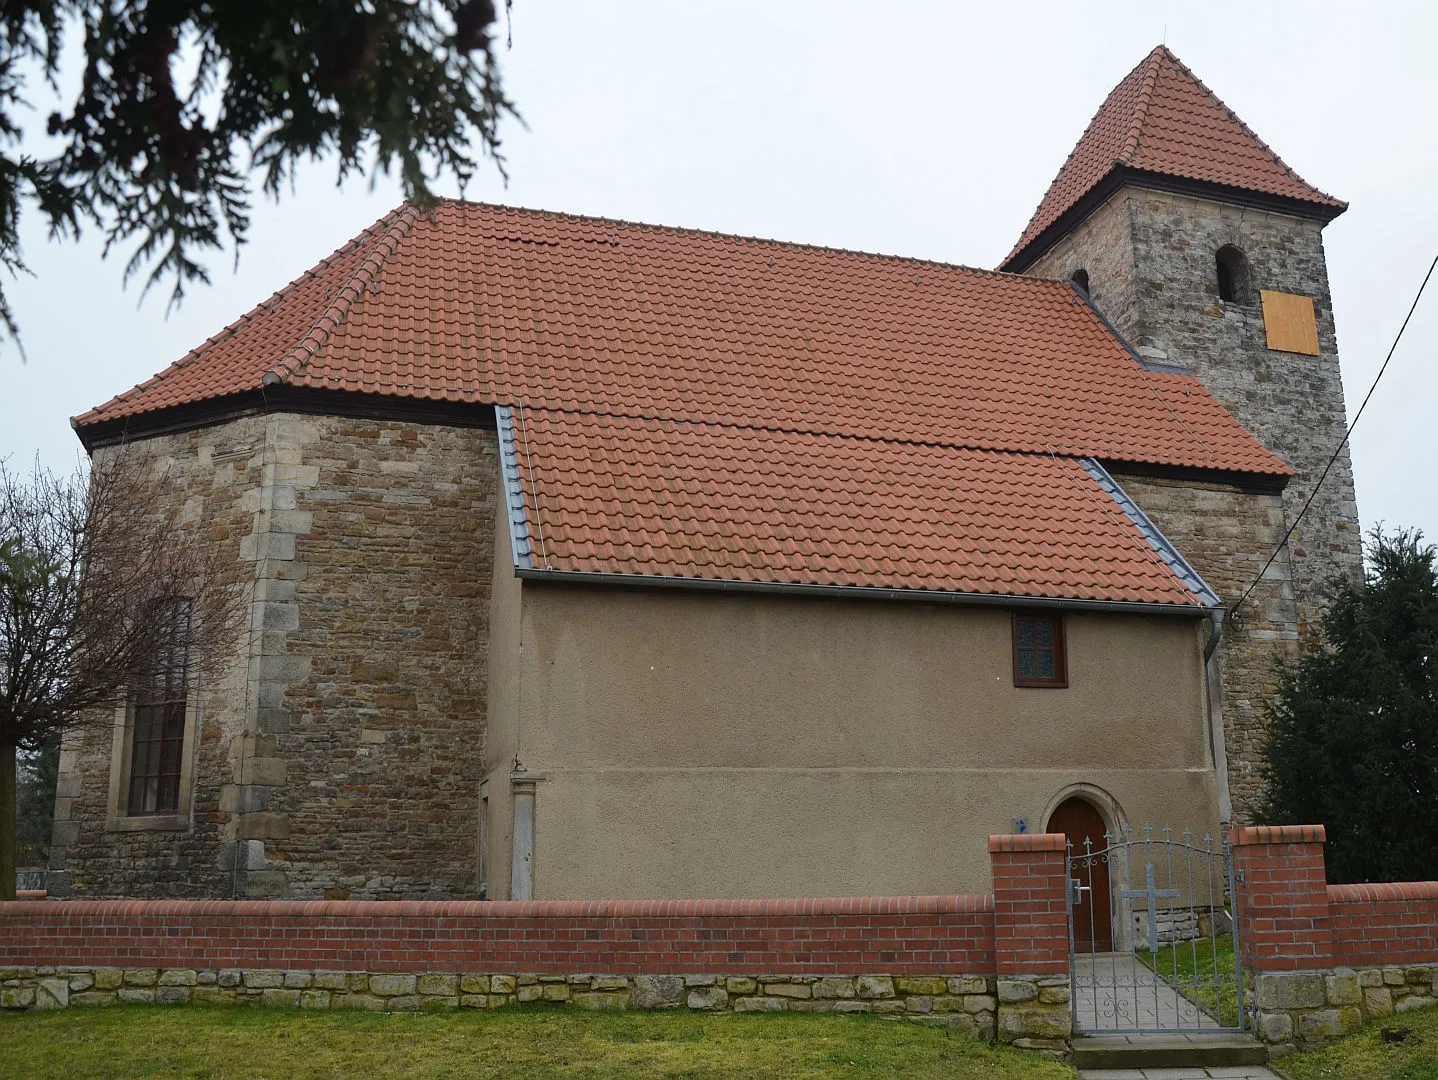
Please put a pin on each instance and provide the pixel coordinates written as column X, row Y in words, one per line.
column 214, row 1042
column 1207, row 963
column 1365, row 1056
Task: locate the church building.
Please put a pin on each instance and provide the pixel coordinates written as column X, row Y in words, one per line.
column 594, row 559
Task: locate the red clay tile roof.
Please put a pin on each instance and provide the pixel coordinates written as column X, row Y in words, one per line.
column 1162, row 119
column 484, row 304
column 621, row 495
column 710, row 404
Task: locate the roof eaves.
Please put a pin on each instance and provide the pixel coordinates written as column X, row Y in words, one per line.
column 853, row 592
column 513, row 485
column 333, row 315
column 1180, row 566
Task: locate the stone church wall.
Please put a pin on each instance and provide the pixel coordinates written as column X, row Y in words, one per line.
column 1227, row 534
column 1151, row 259
column 341, row 756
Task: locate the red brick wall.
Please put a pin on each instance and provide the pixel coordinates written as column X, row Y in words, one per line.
column 1282, row 898
column 1030, row 908
column 899, row 935
column 1392, row 923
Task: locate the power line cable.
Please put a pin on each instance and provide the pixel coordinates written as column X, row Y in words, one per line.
column 1341, row 443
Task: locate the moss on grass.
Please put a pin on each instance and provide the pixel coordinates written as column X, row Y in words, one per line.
column 1365, row 1055
column 216, row 1043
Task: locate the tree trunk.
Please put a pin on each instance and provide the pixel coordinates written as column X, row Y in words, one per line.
column 7, row 822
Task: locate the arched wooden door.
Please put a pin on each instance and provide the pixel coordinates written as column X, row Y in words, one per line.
column 1093, row 912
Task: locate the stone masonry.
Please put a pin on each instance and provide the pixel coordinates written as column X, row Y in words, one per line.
column 1297, row 1008
column 1150, row 257
column 965, row 1003
column 341, row 757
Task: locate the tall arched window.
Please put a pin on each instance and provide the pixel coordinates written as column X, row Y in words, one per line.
column 1080, row 278
column 1233, row 275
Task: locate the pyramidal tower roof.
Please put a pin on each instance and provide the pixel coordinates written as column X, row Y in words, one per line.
column 1161, row 126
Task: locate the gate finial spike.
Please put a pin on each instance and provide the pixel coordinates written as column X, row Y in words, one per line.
column 1147, row 832
column 1168, row 834
column 1188, row 837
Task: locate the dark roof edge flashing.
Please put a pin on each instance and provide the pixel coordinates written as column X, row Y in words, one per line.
column 853, row 592
column 1122, row 176
column 1249, row 483
column 282, row 398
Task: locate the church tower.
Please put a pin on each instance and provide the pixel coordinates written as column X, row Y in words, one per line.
column 1205, row 251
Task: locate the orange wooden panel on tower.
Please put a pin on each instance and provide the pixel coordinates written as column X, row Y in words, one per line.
column 1290, row 323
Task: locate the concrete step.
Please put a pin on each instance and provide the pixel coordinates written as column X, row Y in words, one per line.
column 1168, row 1051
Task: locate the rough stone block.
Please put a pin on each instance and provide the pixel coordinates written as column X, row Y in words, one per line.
column 474, row 984
column 227, row 977
column 1393, row 977
column 1319, row 1024
column 52, row 993
column 1343, row 989
column 130, row 995
column 829, row 988
column 710, row 999
column 392, row 985
column 1419, row 976
column 1035, row 1021
column 141, row 976
column 331, row 980
column 852, row 1007
column 738, row 984
column 474, row 1001
column 1378, row 1000
column 108, row 978
column 1013, row 992
column 979, row 1003
column 1290, row 991
column 17, row 997
column 264, row 980
column 314, row 999
column 874, row 986
column 1054, row 995
column 969, row 985
column 556, row 991
column 919, row 1003
column 888, row 1007
column 920, row 985
column 280, row 997
column 788, row 990
column 403, row 1003
column 502, row 984
column 606, row 982
column 1413, row 1001
column 656, row 991
column 1370, row 977
column 81, row 980
column 530, row 992
column 212, row 995
column 759, row 1004
column 439, row 1003
column 178, row 977
column 174, row 995
column 438, row 985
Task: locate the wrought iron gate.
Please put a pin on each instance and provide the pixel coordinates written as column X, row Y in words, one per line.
column 1168, row 960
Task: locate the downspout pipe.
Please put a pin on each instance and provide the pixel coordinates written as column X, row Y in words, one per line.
column 1213, row 681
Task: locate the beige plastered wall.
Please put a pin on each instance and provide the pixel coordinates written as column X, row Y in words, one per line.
column 695, row 744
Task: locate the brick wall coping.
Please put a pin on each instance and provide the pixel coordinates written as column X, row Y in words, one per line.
column 502, row 909
column 30, row 894
column 1383, row 891
column 1278, row 834
column 1028, row 842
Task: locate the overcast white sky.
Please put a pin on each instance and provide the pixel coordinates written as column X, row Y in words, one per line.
column 928, row 129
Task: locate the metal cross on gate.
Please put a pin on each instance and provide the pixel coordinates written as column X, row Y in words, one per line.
column 1152, row 895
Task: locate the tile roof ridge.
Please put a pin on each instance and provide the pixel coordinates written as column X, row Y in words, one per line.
column 264, row 307
column 1323, row 196
column 400, row 220
column 1154, row 60
column 792, row 245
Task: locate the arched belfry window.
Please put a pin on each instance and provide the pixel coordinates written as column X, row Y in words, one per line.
column 1080, row 278
column 1234, row 282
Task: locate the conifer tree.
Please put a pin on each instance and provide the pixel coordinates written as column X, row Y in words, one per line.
column 1353, row 740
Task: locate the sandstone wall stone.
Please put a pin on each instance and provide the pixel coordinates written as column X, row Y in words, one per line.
column 341, row 757
column 1294, row 1009
column 963, row 1003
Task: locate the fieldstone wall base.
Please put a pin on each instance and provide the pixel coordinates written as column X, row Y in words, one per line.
column 1303, row 1008
column 1034, row 1013
column 966, row 1003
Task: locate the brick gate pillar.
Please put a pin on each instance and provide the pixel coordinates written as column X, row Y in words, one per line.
column 1281, row 898
column 1031, row 940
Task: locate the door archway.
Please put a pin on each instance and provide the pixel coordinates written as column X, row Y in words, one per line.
column 1093, row 908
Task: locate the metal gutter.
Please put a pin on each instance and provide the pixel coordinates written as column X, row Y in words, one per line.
column 513, row 490
column 852, row 592
column 1160, row 543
